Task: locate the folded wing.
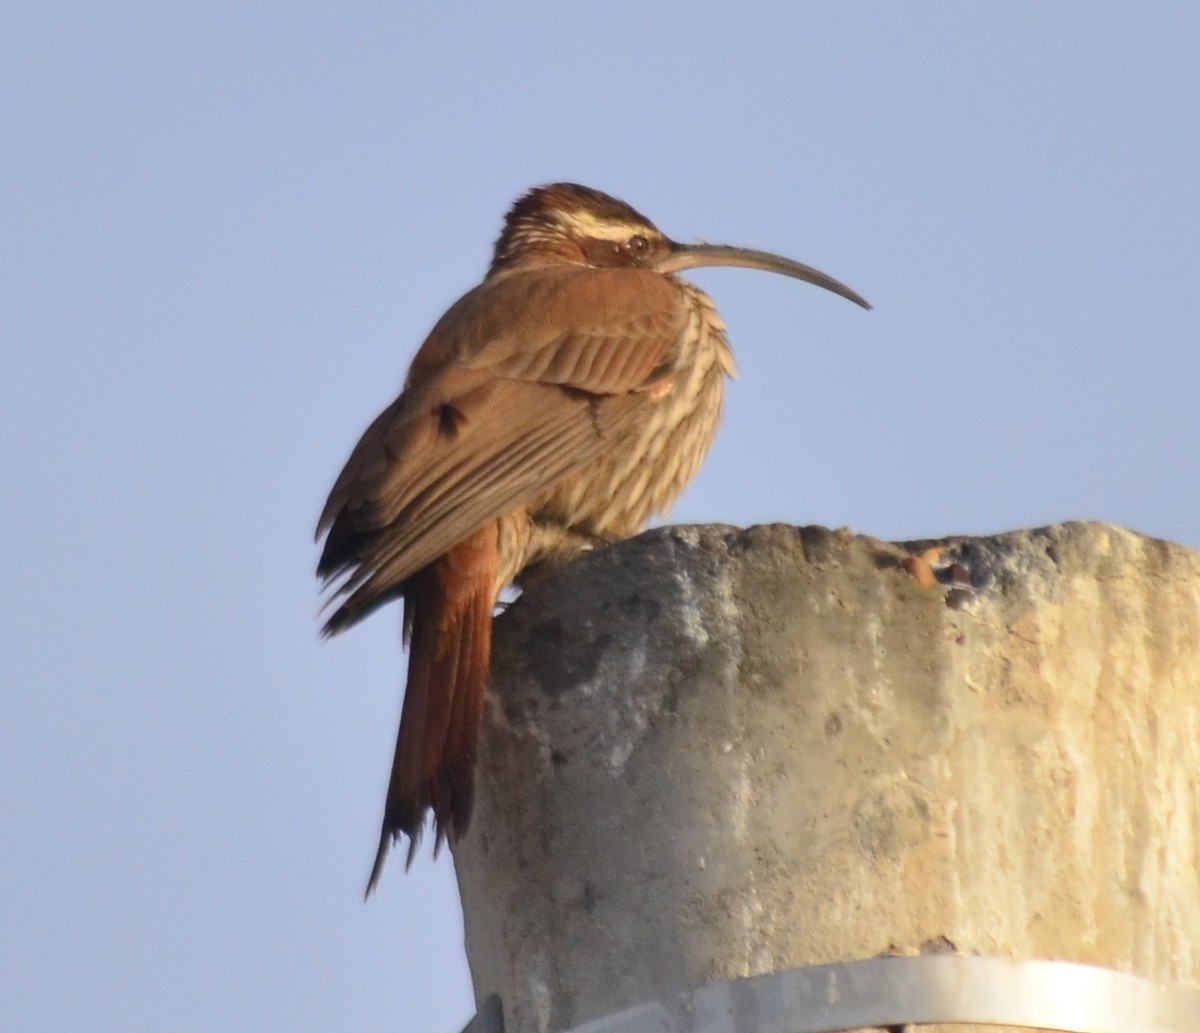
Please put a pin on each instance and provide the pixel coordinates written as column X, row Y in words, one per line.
column 500, row 405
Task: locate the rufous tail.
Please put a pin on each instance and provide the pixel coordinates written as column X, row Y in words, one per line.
column 448, row 621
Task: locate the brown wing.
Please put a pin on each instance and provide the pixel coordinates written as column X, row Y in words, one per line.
column 502, row 401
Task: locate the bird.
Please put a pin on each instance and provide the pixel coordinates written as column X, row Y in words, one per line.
column 558, row 406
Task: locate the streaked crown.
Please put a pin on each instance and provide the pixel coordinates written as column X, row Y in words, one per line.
column 568, row 222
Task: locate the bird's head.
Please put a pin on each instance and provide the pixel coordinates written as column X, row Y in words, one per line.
column 565, row 222
column 572, row 224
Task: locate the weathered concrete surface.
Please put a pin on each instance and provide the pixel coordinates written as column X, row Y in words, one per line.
column 714, row 753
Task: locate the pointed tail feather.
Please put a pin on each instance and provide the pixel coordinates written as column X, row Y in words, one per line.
column 448, row 611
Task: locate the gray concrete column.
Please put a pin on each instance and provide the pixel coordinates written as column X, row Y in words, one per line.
column 713, row 753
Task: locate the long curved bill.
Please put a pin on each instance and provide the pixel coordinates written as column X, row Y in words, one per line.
column 693, row 256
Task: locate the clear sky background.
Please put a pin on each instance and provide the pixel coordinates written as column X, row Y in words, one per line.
column 224, row 228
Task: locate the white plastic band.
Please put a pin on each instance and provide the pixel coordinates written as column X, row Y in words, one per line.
column 895, row 991
column 1054, row 995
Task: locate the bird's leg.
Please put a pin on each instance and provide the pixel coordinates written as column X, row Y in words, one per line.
column 553, row 546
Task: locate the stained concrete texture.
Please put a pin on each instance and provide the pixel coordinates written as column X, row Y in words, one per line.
column 713, row 753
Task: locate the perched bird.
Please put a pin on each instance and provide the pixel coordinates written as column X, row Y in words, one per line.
column 562, row 403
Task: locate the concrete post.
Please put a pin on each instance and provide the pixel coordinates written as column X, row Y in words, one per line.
column 714, row 753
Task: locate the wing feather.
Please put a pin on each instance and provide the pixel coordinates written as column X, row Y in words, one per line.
column 497, row 409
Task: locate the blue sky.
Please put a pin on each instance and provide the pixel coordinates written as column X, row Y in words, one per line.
column 226, row 227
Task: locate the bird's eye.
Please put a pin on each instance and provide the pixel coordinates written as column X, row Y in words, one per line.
column 638, row 244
